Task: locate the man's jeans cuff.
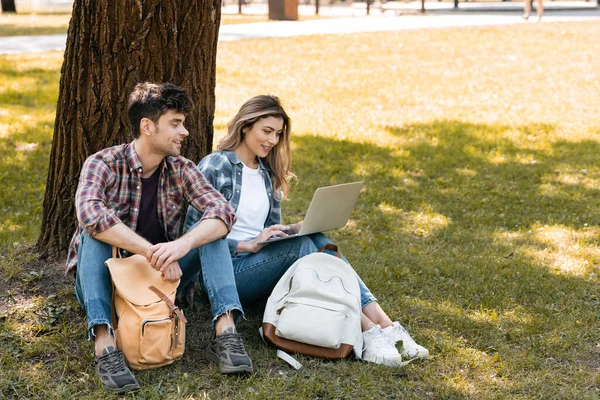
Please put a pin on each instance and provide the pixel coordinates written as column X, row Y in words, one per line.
column 92, row 324
column 237, row 316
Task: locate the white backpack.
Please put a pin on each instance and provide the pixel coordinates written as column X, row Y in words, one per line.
column 315, row 308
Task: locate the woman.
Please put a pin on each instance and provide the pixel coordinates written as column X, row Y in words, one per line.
column 251, row 168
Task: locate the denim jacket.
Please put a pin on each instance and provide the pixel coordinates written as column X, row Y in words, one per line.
column 223, row 170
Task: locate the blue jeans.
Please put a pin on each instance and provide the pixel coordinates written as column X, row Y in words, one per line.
column 248, row 277
column 216, row 276
column 93, row 286
column 245, row 278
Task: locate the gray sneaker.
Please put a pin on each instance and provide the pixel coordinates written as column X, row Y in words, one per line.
column 227, row 350
column 114, row 373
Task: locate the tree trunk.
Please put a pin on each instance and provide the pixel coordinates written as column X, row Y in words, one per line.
column 8, row 6
column 111, row 46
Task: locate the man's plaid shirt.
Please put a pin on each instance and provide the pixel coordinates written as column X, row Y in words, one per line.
column 110, row 192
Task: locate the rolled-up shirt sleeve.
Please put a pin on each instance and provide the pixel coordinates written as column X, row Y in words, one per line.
column 90, row 200
column 206, row 199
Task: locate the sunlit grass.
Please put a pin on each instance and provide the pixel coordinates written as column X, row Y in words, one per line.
column 423, row 77
column 477, row 226
column 33, row 24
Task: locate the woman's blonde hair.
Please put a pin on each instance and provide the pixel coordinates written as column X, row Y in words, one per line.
column 279, row 158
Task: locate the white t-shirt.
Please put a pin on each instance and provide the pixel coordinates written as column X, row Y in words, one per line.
column 253, row 208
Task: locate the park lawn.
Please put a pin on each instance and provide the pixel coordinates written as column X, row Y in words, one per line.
column 33, row 24
column 477, row 227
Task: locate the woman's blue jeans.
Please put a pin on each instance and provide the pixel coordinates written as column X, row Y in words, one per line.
column 254, row 274
column 245, row 278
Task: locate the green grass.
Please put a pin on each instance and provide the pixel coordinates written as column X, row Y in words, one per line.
column 33, row 24
column 28, row 94
column 477, row 227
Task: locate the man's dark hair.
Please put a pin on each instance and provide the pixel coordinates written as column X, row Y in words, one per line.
column 152, row 100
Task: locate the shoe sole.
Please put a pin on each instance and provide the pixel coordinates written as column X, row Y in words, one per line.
column 227, row 369
column 388, row 362
column 417, row 354
column 126, row 388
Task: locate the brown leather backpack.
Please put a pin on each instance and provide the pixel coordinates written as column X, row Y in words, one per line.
column 150, row 329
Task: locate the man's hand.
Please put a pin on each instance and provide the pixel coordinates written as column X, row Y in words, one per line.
column 172, row 272
column 161, row 255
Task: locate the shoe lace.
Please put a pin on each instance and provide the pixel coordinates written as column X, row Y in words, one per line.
column 380, row 340
column 113, row 362
column 233, row 342
column 401, row 330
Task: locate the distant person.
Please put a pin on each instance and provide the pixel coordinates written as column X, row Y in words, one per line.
column 539, row 9
column 251, row 169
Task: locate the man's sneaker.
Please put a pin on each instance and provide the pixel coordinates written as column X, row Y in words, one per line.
column 114, row 373
column 410, row 349
column 377, row 348
column 227, row 349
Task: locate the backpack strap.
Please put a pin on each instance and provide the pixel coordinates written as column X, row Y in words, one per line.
column 288, row 358
column 113, row 312
column 168, row 301
column 332, row 247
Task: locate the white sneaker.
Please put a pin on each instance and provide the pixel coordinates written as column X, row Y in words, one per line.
column 377, row 348
column 411, row 349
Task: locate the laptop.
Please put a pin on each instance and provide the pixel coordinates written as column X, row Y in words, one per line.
column 329, row 209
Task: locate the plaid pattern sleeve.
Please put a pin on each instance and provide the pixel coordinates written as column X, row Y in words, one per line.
column 90, row 199
column 205, row 201
column 217, row 174
column 104, row 196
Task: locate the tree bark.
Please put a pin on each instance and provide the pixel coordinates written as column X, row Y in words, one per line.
column 8, row 6
column 111, row 46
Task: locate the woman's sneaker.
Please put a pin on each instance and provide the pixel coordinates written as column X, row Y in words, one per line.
column 410, row 348
column 114, row 373
column 377, row 348
column 227, row 350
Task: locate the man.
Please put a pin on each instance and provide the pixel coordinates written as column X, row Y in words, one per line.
column 132, row 196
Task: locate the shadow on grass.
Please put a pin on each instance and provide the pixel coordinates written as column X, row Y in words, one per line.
column 450, row 234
